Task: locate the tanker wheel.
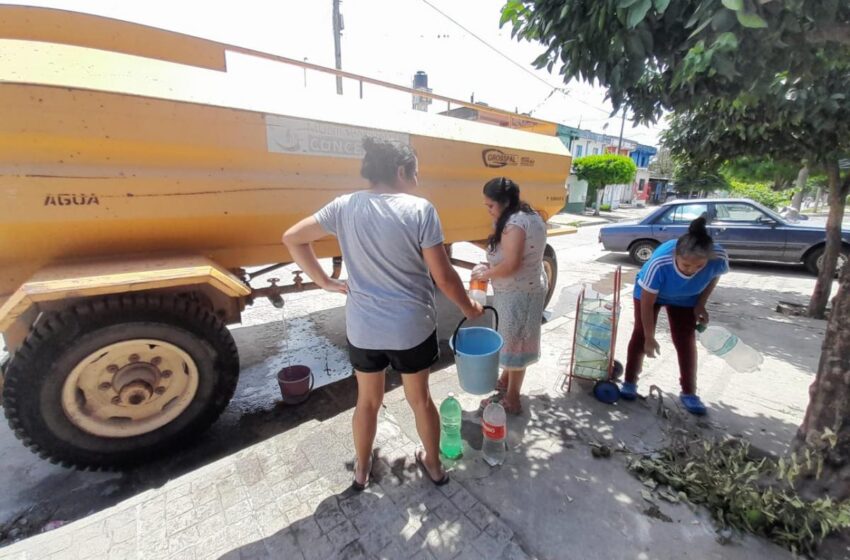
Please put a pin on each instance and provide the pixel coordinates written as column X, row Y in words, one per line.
column 550, row 268
column 112, row 383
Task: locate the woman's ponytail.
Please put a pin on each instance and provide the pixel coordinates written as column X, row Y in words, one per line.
column 697, row 242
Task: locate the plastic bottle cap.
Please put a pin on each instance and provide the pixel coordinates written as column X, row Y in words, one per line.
column 701, row 327
column 451, row 394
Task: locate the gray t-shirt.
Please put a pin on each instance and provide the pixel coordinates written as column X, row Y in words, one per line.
column 390, row 293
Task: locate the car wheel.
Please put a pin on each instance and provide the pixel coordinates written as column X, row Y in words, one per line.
column 642, row 251
column 815, row 260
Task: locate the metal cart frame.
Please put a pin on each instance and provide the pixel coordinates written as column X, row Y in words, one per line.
column 605, row 390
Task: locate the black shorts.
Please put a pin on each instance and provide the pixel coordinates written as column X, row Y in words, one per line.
column 412, row 360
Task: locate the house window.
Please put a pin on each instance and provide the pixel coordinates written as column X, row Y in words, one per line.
column 579, row 151
column 595, row 151
column 641, row 184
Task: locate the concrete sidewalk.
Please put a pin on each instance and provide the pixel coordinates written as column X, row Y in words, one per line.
column 287, row 496
column 587, row 219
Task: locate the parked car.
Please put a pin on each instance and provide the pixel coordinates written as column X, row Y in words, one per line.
column 746, row 229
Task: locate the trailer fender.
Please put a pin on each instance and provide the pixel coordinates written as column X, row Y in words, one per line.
column 67, row 282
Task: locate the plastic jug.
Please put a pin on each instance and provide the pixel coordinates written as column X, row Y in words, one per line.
column 720, row 342
column 494, row 428
column 478, row 288
column 451, row 446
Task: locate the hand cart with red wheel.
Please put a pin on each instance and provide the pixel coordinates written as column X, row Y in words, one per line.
column 594, row 341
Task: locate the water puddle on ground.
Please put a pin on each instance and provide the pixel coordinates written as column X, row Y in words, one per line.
column 289, row 341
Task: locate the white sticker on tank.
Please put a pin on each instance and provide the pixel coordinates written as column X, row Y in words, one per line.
column 287, row 135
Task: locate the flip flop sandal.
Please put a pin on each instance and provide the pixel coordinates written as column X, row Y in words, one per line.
column 357, row 486
column 442, row 482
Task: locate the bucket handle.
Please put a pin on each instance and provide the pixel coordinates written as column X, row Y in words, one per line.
column 462, row 321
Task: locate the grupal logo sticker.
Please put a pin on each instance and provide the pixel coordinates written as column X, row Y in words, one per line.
column 497, row 158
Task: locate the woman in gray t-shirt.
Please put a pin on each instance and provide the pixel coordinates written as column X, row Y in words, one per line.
column 392, row 243
column 515, row 259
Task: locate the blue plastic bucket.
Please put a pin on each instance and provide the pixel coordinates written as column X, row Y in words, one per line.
column 476, row 351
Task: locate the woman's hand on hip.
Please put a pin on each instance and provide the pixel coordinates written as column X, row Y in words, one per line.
column 335, row 286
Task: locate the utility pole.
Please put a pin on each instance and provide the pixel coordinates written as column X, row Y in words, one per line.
column 622, row 126
column 338, row 27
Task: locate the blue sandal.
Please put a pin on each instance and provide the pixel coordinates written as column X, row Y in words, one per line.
column 629, row 391
column 693, row 404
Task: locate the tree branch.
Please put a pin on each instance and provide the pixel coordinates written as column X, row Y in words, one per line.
column 838, row 33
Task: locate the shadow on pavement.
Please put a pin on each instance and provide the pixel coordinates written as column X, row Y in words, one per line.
column 551, row 490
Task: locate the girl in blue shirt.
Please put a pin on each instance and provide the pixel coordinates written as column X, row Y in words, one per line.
column 680, row 275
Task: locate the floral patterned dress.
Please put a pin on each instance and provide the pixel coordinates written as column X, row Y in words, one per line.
column 521, row 299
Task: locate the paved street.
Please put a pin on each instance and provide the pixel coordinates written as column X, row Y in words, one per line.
column 270, row 481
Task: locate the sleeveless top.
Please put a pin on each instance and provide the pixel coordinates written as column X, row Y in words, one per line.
column 530, row 276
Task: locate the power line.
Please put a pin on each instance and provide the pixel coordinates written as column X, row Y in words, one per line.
column 514, row 62
column 491, row 47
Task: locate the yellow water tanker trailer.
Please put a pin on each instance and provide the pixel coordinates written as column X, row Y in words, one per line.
column 131, row 207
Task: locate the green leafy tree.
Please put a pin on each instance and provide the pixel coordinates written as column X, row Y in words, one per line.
column 758, row 170
column 774, row 75
column 695, row 179
column 601, row 170
column 761, row 78
column 761, row 193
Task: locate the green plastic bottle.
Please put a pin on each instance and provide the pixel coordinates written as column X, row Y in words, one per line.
column 451, row 445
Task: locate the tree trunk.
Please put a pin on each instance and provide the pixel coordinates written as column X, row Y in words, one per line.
column 818, row 196
column 829, row 402
column 797, row 200
column 837, row 198
column 599, row 192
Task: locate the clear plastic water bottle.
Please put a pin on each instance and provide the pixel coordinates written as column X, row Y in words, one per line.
column 451, row 446
column 720, row 342
column 478, row 288
column 494, row 427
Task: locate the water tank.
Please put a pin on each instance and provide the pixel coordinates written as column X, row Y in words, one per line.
column 420, row 80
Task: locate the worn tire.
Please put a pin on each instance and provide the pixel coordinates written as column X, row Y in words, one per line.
column 812, row 259
column 550, row 266
column 642, row 250
column 59, row 340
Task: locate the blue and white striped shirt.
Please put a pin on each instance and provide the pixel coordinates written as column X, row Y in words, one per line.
column 661, row 276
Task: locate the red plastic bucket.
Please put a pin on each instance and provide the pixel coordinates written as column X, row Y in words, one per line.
column 295, row 383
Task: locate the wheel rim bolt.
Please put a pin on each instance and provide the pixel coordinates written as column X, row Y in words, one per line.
column 155, row 361
column 112, row 369
column 104, row 386
column 116, row 400
column 166, row 374
column 159, row 390
column 134, row 357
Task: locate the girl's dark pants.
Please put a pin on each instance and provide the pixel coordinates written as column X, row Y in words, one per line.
column 682, row 330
